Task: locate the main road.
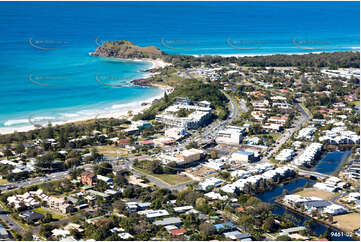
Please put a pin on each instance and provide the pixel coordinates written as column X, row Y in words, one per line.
column 34, row 181
column 288, row 132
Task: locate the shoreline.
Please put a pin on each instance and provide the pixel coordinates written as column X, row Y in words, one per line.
column 135, row 107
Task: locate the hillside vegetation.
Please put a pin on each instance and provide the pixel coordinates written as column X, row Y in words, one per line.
column 127, row 50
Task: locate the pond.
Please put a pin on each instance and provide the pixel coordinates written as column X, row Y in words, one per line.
column 331, row 162
column 299, row 220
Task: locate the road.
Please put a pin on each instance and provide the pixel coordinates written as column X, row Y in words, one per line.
column 34, row 181
column 312, row 173
column 211, row 130
column 10, row 222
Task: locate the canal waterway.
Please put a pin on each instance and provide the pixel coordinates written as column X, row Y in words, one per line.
column 298, row 219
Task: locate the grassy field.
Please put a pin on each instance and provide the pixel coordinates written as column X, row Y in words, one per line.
column 168, row 178
column 3, row 181
column 316, row 193
column 348, row 222
column 44, row 211
column 357, row 103
column 109, row 150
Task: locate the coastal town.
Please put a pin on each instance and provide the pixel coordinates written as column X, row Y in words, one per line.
column 232, row 151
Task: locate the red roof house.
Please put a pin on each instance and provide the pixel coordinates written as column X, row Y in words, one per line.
column 177, row 232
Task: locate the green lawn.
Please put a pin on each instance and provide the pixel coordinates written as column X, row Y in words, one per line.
column 56, row 216
column 274, row 136
column 3, row 181
column 171, row 179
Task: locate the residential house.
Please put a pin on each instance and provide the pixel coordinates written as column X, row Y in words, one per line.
column 88, row 179
column 178, row 232
column 236, row 235
column 60, row 204
column 168, row 221
column 210, row 183
column 30, row 216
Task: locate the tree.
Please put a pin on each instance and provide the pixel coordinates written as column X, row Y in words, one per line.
column 28, row 236
column 200, row 202
column 269, row 225
column 45, row 230
column 283, row 238
column 47, row 218
column 119, row 205
column 45, row 161
column 101, row 186
column 20, row 148
column 246, row 221
column 120, row 180
column 213, row 154
column 170, row 168
column 206, row 229
column 156, row 167
column 166, row 99
column 8, row 153
column 76, row 234
column 103, row 169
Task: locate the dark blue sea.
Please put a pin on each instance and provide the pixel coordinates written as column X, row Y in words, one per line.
column 58, row 82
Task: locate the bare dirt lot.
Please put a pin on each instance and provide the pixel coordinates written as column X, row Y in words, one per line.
column 348, row 222
column 316, row 193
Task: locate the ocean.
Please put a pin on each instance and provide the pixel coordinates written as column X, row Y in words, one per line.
column 59, row 81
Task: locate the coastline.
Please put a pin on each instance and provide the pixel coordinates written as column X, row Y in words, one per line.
column 134, row 107
column 269, row 54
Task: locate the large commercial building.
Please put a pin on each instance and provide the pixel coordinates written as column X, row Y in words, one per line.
column 191, row 155
column 199, row 115
column 231, row 135
column 183, row 157
column 243, row 156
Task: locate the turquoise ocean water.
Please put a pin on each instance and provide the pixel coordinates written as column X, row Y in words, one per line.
column 59, row 82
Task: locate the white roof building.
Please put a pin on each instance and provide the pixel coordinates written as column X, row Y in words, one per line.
column 154, row 213
column 60, row 232
column 210, row 183
column 285, row 155
column 306, row 133
column 240, row 174
column 340, row 135
column 182, row 209
column 325, row 187
column 125, row 236
column 217, row 164
column 334, row 209
column 231, row 135
column 229, row 188
column 216, row 196
column 309, row 154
